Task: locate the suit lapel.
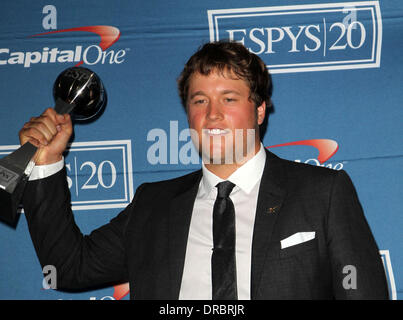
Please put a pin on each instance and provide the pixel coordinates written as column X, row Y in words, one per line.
column 180, row 213
column 271, row 195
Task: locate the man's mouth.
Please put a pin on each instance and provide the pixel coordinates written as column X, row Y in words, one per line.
column 216, row 131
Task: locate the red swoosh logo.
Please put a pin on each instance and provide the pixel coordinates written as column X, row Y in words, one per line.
column 326, row 147
column 109, row 35
column 121, row 290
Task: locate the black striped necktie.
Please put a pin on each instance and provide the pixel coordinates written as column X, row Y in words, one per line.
column 223, row 264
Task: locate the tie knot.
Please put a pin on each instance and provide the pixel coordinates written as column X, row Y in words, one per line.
column 224, row 189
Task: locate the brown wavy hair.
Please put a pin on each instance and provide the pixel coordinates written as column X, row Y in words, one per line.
column 226, row 57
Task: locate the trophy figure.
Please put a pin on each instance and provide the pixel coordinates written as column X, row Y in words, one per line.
column 77, row 91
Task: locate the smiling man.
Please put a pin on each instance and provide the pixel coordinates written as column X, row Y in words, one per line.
column 248, row 225
column 222, row 109
column 226, row 120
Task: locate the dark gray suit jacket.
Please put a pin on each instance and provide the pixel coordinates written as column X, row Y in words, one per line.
column 146, row 243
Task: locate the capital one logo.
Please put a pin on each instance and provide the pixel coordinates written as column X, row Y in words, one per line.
column 108, row 36
column 310, row 37
column 327, row 148
column 99, row 53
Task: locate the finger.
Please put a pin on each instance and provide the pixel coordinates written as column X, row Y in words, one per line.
column 39, row 130
column 56, row 117
column 65, row 125
column 51, row 119
column 26, row 137
column 45, row 127
column 34, row 134
column 35, row 142
column 50, row 112
column 50, row 123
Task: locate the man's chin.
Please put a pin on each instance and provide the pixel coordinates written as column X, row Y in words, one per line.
column 215, row 160
column 216, row 156
column 220, row 158
column 226, row 153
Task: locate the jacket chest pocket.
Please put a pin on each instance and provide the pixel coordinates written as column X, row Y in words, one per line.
column 300, row 249
column 275, row 252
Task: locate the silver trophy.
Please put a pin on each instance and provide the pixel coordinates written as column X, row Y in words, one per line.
column 78, row 91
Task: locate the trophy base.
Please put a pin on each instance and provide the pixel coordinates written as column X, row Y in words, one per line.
column 9, row 208
column 14, row 172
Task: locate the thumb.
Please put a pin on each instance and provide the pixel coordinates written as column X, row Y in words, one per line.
column 64, row 122
column 64, row 127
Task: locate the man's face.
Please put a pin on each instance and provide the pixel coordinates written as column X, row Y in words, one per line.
column 223, row 120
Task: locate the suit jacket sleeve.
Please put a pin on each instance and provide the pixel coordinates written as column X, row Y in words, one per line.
column 81, row 261
column 357, row 269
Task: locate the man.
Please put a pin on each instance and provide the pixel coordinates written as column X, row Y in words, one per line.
column 248, row 225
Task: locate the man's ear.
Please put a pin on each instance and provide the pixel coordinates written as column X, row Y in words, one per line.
column 261, row 113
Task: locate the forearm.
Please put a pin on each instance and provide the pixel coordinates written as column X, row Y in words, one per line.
column 81, row 261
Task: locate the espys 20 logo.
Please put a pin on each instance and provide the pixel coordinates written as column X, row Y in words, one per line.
column 89, row 55
column 309, row 37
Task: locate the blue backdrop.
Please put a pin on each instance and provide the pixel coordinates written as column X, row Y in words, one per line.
column 336, row 68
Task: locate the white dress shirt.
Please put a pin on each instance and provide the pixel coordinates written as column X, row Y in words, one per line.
column 41, row 172
column 196, row 279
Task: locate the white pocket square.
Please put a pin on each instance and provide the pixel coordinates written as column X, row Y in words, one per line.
column 297, row 238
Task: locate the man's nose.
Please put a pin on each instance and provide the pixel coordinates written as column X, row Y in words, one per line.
column 214, row 111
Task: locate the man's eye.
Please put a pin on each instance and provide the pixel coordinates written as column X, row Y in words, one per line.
column 229, row 99
column 199, row 101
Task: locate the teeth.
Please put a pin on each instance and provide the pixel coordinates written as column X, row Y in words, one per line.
column 215, row 131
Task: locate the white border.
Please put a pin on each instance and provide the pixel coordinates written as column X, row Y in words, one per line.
column 127, row 173
column 388, row 267
column 214, row 15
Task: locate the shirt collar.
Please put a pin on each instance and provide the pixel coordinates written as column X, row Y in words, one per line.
column 245, row 177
